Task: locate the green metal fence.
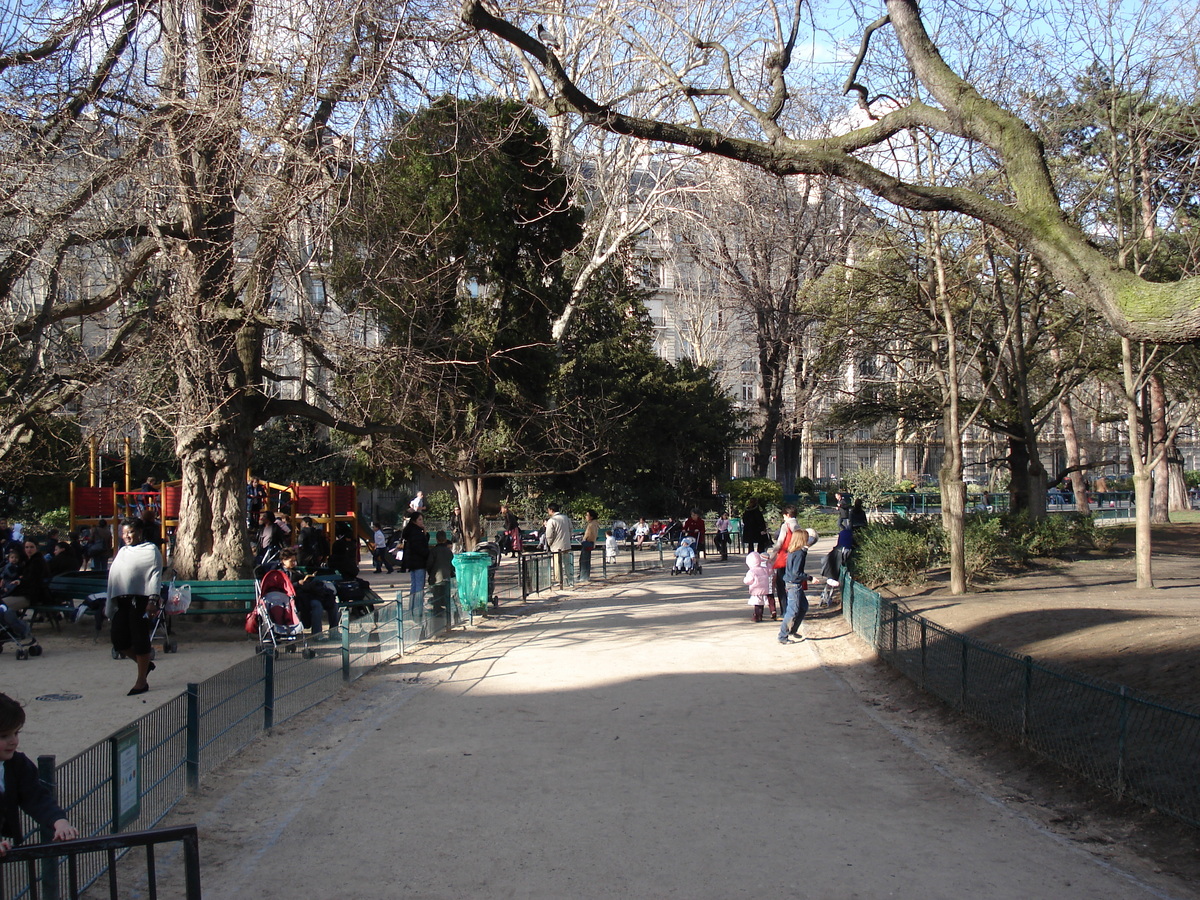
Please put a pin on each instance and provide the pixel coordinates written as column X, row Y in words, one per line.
column 186, row 738
column 421, row 618
column 536, row 570
column 1125, row 742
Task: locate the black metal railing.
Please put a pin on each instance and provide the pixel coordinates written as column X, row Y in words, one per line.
column 53, row 871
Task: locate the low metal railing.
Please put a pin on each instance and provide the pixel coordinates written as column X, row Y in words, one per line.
column 1123, row 741
column 537, row 570
column 66, row 869
column 133, row 778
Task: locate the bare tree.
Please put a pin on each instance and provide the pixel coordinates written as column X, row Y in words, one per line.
column 628, row 187
column 763, row 239
column 711, row 78
column 1151, row 436
column 165, row 160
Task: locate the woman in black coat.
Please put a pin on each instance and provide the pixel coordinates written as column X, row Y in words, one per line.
column 754, row 528
column 33, row 586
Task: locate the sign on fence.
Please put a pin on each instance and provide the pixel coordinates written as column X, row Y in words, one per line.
column 127, row 787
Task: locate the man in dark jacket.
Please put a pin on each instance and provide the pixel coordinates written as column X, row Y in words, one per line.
column 313, row 547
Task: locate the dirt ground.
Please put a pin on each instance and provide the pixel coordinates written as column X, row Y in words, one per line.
column 645, row 739
column 1086, row 614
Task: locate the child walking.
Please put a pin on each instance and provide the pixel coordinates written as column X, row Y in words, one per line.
column 758, row 579
column 795, row 581
column 20, row 787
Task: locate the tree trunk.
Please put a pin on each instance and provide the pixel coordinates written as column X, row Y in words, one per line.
column 1142, row 530
column 954, row 507
column 950, row 476
column 954, row 491
column 469, row 490
column 764, row 444
column 899, row 451
column 1179, row 499
column 1018, row 470
column 1034, row 472
column 1038, row 483
column 1075, row 456
column 787, row 461
column 808, row 457
column 211, row 542
column 218, row 361
column 1156, row 449
column 1141, row 471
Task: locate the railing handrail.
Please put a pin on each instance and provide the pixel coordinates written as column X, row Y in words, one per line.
column 111, row 844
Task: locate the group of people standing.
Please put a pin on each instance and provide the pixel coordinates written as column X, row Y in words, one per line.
column 411, row 552
column 776, row 574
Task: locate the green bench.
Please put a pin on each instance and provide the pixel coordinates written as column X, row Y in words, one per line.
column 70, row 588
column 220, row 597
column 67, row 591
column 234, row 598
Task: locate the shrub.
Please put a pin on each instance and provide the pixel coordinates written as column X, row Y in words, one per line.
column 577, row 506
column 1087, row 534
column 441, row 505
column 883, row 554
column 768, row 493
column 1054, row 535
column 892, row 554
column 869, row 485
column 812, row 517
column 55, row 518
column 985, row 545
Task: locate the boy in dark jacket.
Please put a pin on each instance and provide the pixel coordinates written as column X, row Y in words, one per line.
column 21, row 788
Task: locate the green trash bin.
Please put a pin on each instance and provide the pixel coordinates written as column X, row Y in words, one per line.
column 471, row 571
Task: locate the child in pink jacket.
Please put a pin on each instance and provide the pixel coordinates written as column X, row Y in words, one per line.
column 758, row 578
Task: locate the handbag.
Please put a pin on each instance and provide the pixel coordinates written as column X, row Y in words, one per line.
column 252, row 622
column 350, row 591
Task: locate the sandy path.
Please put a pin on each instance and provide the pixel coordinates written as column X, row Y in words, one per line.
column 642, row 740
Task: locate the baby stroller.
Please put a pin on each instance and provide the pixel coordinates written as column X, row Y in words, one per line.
column 686, row 562
column 16, row 630
column 275, row 611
